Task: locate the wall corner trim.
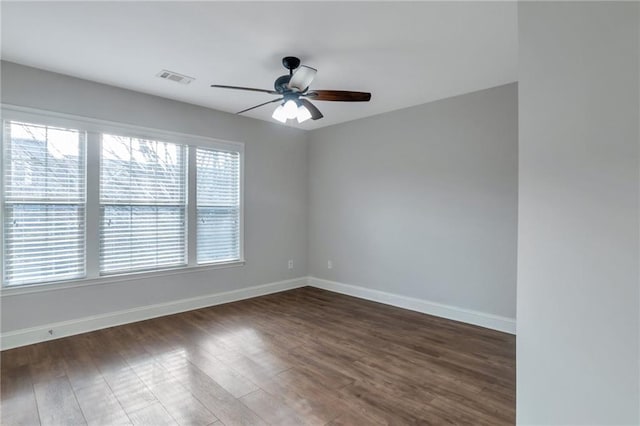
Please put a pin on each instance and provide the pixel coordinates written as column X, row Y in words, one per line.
column 482, row 319
column 27, row 336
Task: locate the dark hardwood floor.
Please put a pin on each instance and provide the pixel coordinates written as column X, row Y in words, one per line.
column 305, row 356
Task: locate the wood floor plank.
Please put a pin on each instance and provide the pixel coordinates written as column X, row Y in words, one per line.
column 100, row 406
column 128, row 389
column 307, row 397
column 272, row 409
column 18, row 398
column 79, row 366
column 174, row 397
column 44, row 365
column 153, row 414
column 214, row 397
column 232, row 381
column 181, row 404
column 253, row 369
column 393, row 408
column 57, row 404
column 304, row 356
column 354, row 419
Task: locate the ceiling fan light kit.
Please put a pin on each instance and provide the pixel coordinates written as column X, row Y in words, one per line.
column 294, row 93
column 290, row 110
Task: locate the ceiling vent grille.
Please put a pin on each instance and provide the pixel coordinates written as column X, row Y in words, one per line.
column 174, row 76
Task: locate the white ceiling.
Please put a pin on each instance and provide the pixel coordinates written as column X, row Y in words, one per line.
column 403, row 53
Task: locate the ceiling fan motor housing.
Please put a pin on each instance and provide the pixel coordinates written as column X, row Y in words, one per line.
column 282, row 83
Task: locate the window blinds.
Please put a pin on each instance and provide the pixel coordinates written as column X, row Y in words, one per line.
column 44, row 200
column 218, row 205
column 142, row 204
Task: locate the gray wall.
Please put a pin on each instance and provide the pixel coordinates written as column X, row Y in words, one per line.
column 421, row 202
column 275, row 196
column 578, row 237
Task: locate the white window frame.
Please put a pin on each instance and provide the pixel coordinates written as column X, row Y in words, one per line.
column 94, row 128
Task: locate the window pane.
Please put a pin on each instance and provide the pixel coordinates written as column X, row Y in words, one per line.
column 43, row 242
column 142, row 171
column 44, row 198
column 218, row 178
column 43, row 163
column 218, row 236
column 143, row 204
column 218, row 195
column 141, row 237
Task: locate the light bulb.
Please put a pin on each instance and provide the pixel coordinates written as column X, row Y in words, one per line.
column 303, row 114
column 290, row 109
column 279, row 114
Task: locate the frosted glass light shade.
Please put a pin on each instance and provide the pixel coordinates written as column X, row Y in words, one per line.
column 279, row 114
column 290, row 109
column 303, row 114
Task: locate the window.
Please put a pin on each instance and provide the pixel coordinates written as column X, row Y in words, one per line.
column 83, row 199
column 142, row 204
column 218, row 198
column 44, row 204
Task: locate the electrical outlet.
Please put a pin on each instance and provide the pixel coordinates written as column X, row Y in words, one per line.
column 329, row 264
column 290, row 264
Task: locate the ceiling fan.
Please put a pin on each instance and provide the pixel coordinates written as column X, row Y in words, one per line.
column 293, row 91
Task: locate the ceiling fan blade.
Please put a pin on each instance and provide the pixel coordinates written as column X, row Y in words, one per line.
column 251, row 89
column 258, row 106
column 315, row 112
column 302, row 78
column 339, row 96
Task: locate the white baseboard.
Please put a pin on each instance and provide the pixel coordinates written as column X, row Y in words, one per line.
column 37, row 334
column 494, row 322
column 27, row 336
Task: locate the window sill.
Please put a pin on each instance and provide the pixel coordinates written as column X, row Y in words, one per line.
column 116, row 278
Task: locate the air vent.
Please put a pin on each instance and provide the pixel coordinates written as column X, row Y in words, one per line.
column 174, row 76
